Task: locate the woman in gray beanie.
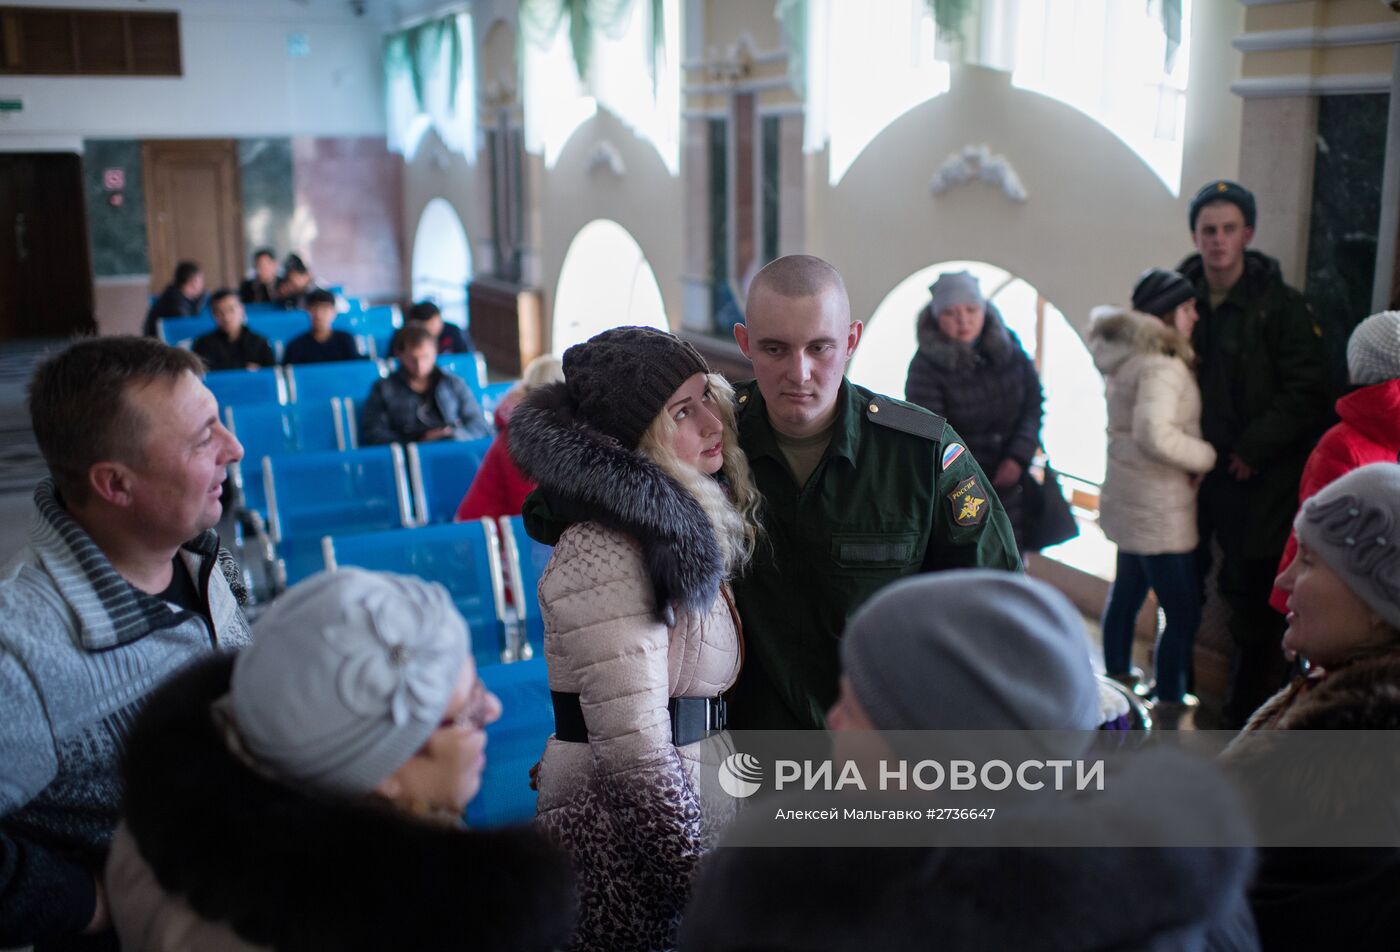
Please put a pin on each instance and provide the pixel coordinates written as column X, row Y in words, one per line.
column 971, row 368
column 1156, row 459
column 648, row 502
column 308, row 793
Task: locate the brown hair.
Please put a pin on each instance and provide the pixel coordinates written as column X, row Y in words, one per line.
column 78, row 406
column 411, row 336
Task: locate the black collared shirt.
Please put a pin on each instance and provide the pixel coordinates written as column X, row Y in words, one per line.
column 219, row 352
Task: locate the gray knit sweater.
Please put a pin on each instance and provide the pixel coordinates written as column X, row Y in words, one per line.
column 79, row 650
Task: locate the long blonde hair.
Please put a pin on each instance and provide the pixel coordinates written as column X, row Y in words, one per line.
column 735, row 520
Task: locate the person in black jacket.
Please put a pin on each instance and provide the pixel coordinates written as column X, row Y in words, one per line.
column 971, row 369
column 420, row 402
column 182, row 297
column 233, row 345
column 450, row 338
column 261, row 288
column 323, row 342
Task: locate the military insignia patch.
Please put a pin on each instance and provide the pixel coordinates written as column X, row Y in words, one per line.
column 968, row 502
column 952, row 452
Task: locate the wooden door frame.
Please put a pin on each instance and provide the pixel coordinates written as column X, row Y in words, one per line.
column 153, row 150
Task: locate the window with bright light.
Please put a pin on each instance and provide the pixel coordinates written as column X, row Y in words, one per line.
column 442, row 261
column 605, row 282
column 451, row 112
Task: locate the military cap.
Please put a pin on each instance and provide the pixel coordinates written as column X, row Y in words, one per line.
column 1223, row 190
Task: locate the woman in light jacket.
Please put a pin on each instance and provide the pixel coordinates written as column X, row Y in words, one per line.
column 1156, row 458
column 648, row 502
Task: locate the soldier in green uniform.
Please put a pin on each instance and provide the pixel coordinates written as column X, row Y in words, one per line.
column 860, row 490
column 1264, row 403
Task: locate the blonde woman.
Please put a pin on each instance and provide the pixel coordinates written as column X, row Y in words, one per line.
column 649, row 504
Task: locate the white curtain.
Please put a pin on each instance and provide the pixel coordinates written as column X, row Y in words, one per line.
column 426, row 60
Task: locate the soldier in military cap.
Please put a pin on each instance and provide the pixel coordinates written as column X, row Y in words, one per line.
column 1265, row 401
column 859, row 489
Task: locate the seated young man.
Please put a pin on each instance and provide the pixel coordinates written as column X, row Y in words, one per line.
column 323, row 343
column 295, row 287
column 182, row 297
column 420, row 401
column 232, row 345
column 261, row 288
column 450, row 338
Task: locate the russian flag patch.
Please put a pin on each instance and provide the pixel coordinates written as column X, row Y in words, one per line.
column 951, row 452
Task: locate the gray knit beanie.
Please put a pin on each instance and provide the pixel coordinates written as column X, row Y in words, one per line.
column 621, row 379
column 346, row 677
column 953, row 288
column 971, row 650
column 1353, row 524
column 1373, row 352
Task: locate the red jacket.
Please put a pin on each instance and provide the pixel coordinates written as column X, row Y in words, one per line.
column 499, row 488
column 1369, row 433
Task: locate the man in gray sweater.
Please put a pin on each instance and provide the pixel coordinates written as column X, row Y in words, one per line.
column 122, row 582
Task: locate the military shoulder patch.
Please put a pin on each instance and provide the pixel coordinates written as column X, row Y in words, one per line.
column 905, row 418
column 951, row 452
column 968, row 502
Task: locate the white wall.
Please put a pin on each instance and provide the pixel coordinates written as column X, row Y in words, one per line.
column 238, row 79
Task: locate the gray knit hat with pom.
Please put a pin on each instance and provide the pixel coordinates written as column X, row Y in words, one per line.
column 1373, row 352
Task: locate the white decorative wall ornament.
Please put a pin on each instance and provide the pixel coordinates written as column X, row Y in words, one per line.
column 605, row 155
column 976, row 163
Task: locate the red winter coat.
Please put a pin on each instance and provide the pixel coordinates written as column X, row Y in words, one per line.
column 499, row 488
column 1369, row 433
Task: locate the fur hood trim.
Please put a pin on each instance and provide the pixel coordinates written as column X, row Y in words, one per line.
column 1116, row 334
column 292, row 869
column 588, row 476
column 995, row 345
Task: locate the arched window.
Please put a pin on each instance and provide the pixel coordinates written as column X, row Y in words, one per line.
column 605, row 282
column 1074, row 431
column 442, row 261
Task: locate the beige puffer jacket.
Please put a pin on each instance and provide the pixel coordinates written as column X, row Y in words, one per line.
column 1148, row 505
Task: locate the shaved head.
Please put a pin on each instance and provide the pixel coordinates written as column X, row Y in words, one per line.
column 798, row 276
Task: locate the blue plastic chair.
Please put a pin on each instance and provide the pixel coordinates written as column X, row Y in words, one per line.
column 377, row 324
column 341, row 378
column 491, row 395
column 313, row 495
column 440, row 474
column 236, row 387
column 525, row 560
column 514, row 743
column 268, row 429
column 280, row 327
column 470, row 367
column 179, row 331
column 464, row 557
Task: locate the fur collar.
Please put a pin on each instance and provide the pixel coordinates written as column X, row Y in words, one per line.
column 587, row 476
column 1116, row 334
column 995, row 345
column 289, row 868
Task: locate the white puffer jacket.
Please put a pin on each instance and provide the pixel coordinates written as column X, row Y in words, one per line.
column 1148, row 505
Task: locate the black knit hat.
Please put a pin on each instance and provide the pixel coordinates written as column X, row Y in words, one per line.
column 621, row 379
column 1160, row 292
column 1223, row 190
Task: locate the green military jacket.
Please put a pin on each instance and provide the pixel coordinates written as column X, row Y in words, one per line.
column 1264, row 396
column 896, row 493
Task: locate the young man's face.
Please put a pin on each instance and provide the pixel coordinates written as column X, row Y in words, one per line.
column 1221, row 235
column 322, row 317
column 228, row 313
column 799, row 348
column 194, row 287
column 265, row 267
column 418, row 362
column 174, row 490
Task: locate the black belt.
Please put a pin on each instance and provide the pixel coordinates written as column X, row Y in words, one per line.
column 692, row 718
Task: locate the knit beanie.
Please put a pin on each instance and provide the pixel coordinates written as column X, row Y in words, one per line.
column 346, row 677
column 1159, row 292
column 971, row 650
column 1223, row 190
column 1373, row 352
column 1353, row 524
column 621, row 379
column 953, row 288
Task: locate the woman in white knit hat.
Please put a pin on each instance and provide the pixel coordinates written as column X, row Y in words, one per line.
column 308, row 793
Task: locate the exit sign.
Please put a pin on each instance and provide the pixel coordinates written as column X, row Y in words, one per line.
column 11, row 105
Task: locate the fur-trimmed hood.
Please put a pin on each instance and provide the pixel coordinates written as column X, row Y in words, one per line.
column 1116, row 334
column 585, row 475
column 995, row 345
column 291, row 869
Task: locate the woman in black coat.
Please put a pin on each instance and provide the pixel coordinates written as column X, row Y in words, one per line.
column 971, row 369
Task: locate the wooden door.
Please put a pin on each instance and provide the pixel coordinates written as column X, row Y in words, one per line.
column 193, row 210
column 45, row 267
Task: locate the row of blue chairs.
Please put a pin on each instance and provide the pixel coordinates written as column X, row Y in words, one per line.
column 347, row 378
column 514, row 743
column 376, row 325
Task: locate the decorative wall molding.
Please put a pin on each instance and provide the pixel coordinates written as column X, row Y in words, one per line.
column 1360, row 34
column 741, row 50
column 1302, row 85
column 976, row 163
column 744, row 86
column 606, row 155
